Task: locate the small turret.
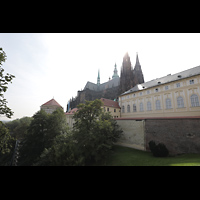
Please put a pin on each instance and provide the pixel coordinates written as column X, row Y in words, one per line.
column 115, row 72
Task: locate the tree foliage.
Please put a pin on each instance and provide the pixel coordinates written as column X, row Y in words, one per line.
column 40, row 135
column 94, row 131
column 90, row 141
column 5, row 139
column 18, row 127
column 4, row 80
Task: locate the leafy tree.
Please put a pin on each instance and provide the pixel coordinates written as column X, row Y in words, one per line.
column 5, row 137
column 18, row 127
column 63, row 152
column 4, row 80
column 90, row 141
column 94, row 131
column 40, row 135
column 33, row 143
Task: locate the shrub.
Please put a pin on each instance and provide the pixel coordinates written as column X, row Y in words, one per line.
column 159, row 150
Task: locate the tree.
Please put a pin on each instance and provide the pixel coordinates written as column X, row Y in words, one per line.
column 5, row 138
column 33, row 143
column 41, row 134
column 63, row 152
column 94, row 131
column 18, row 127
column 4, row 80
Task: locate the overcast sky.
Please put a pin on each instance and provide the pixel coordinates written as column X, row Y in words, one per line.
column 48, row 65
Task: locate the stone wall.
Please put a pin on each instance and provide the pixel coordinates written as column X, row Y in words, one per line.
column 133, row 134
column 178, row 135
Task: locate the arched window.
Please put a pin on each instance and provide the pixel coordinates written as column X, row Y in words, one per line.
column 123, row 110
column 128, row 108
column 158, row 105
column 141, row 107
column 180, row 102
column 168, row 103
column 194, row 100
column 148, row 105
column 134, row 108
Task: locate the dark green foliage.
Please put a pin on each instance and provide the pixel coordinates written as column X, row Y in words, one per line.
column 18, row 127
column 5, row 139
column 94, row 131
column 159, row 150
column 90, row 141
column 41, row 134
column 63, row 152
column 4, row 80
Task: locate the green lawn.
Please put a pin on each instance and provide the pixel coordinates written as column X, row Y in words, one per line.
column 124, row 156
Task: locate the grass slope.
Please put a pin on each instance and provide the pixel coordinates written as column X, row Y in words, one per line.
column 124, row 156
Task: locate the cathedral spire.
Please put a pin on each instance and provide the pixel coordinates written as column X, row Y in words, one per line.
column 98, row 78
column 115, row 72
column 137, row 60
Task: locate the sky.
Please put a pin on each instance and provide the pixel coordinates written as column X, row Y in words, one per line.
column 48, row 65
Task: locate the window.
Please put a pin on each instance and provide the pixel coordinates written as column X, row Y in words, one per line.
column 128, row 97
column 180, row 102
column 191, row 82
column 107, row 109
column 123, row 110
column 140, row 93
column 134, row 108
column 141, row 107
column 158, row 105
column 114, row 110
column 156, row 89
column 178, row 85
column 128, row 108
column 168, row 104
column 148, row 105
column 194, row 100
column 148, row 91
column 133, row 95
column 166, row 87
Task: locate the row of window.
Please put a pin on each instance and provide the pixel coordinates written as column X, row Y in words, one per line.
column 156, row 90
column 180, row 103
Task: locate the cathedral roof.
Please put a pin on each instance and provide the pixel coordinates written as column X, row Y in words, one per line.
column 166, row 79
column 52, row 102
column 109, row 84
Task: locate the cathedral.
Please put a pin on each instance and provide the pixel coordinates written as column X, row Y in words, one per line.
column 129, row 77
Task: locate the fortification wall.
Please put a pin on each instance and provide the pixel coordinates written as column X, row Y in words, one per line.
column 180, row 135
column 133, row 134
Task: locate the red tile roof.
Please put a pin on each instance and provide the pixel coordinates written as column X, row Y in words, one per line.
column 110, row 103
column 51, row 102
column 71, row 112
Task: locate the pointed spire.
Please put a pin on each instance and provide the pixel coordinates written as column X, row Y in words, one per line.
column 115, row 72
column 98, row 78
column 137, row 60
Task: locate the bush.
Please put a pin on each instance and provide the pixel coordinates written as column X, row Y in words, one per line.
column 159, row 150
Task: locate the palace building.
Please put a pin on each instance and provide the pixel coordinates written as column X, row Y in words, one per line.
column 176, row 95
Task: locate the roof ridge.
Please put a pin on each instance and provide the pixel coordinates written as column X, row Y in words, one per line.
column 50, row 102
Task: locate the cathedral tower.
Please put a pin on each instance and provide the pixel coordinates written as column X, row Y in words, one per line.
column 129, row 76
column 139, row 78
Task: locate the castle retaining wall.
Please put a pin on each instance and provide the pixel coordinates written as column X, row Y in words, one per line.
column 180, row 135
